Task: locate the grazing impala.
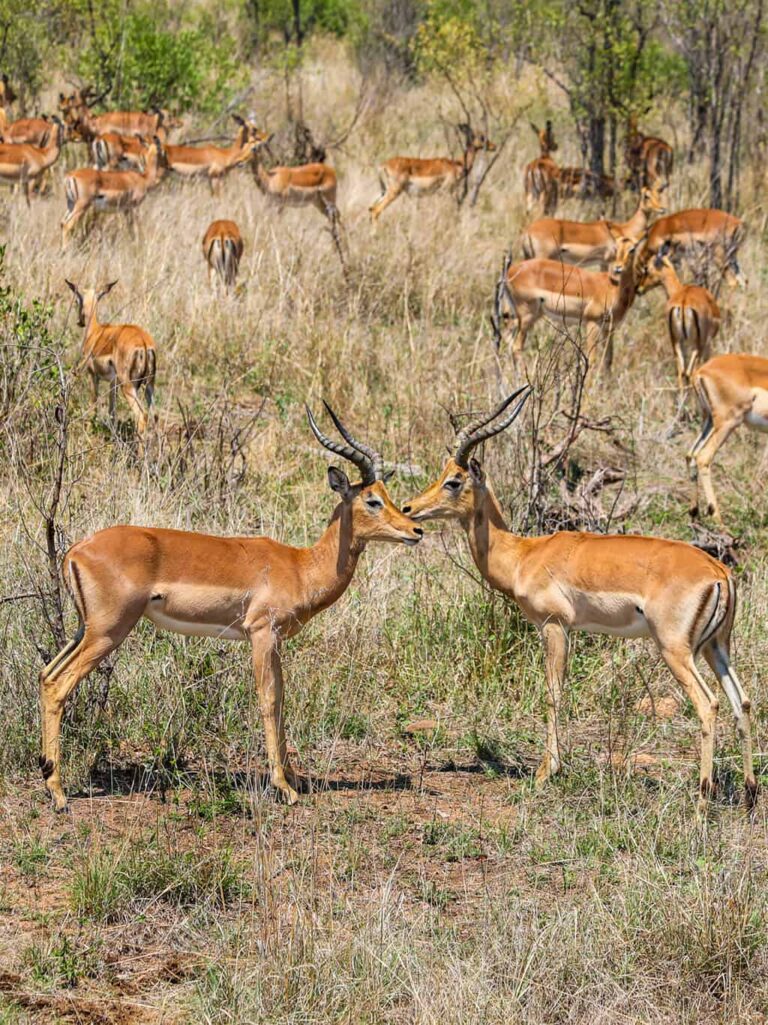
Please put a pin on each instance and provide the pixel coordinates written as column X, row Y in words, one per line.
column 568, row 295
column 649, row 159
column 417, row 176
column 540, row 175
column 732, row 390
column 240, row 588
column 214, row 162
column 223, row 250
column 588, row 242
column 110, row 190
column 621, row 585
column 693, row 316
column 121, row 354
column 21, row 164
column 714, row 233
column 88, row 126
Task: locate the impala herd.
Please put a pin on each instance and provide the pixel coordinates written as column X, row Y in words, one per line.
column 577, row 274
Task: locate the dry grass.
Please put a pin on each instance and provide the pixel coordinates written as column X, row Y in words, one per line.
column 424, row 880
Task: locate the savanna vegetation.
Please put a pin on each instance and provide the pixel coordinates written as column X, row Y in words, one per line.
column 425, row 878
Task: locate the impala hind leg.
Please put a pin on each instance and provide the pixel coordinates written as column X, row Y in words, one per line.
column 57, row 681
column 717, row 654
column 388, row 197
column 681, row 664
column 268, row 675
column 700, row 457
column 555, row 638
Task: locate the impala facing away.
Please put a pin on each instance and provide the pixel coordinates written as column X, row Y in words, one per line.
column 21, row 163
column 649, row 159
column 110, row 190
column 417, row 176
column 567, row 296
column 223, row 250
column 713, row 233
column 114, row 152
column 732, row 390
column 693, row 316
column 214, row 162
column 591, row 241
column 621, row 585
column 231, row 588
column 121, row 354
column 540, row 175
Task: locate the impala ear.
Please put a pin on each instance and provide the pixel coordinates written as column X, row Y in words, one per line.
column 236, row 117
column 107, row 288
column 387, row 476
column 339, row 482
column 476, row 473
column 73, row 287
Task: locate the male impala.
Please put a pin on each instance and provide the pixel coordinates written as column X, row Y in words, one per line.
column 87, row 126
column 621, row 585
column 214, row 162
column 568, row 295
column 231, row 588
column 540, row 175
column 715, row 233
column 588, row 242
column 417, row 176
column 110, row 190
column 21, row 163
column 121, row 354
column 732, row 390
column 306, row 185
column 693, row 316
column 223, row 250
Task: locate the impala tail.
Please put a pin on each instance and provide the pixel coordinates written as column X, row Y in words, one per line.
column 229, row 258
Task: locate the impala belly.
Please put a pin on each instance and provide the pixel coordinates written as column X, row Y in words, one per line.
column 424, row 185
column 757, row 416
column 620, row 615
column 198, row 612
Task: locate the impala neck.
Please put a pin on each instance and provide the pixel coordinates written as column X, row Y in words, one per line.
column 626, row 289
column 92, row 327
column 637, row 224
column 261, row 176
column 486, row 529
column 670, row 282
column 332, row 560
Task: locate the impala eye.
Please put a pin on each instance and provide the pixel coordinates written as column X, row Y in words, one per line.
column 453, row 484
column 374, row 504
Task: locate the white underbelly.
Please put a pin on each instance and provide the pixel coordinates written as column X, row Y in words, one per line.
column 637, row 627
column 178, row 626
column 757, row 421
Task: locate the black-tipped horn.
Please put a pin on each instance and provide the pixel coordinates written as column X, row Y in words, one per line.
column 472, row 435
column 376, row 461
column 354, row 455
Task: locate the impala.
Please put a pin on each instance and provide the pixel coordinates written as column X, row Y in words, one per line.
column 540, row 175
column 223, row 250
column 581, row 182
column 121, row 354
column 417, row 176
column 214, row 162
column 649, row 159
column 732, row 390
column 239, row 588
column 32, row 131
column 113, row 151
column 693, row 316
column 568, row 295
column 87, row 126
column 306, row 185
column 110, row 190
column 715, row 233
column 591, row 241
column 21, row 163
column 621, row 585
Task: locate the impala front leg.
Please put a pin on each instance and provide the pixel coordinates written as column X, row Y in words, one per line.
column 555, row 638
column 268, row 675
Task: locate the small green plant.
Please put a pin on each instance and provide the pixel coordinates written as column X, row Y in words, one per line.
column 30, row 856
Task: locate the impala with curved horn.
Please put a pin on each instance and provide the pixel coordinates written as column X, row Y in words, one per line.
column 621, row 585
column 231, row 588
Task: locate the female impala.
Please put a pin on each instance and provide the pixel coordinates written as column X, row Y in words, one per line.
column 122, row 354
column 649, row 159
column 715, row 233
column 110, row 190
column 232, row 588
column 214, row 162
column 306, row 185
column 113, row 151
column 622, row 585
column 540, row 175
column 22, row 164
column 417, row 176
column 732, row 390
column 588, row 242
column 32, row 131
column 693, row 316
column 568, row 295
column 88, row 126
column 223, row 250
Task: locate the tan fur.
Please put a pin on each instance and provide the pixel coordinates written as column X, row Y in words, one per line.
column 23, row 163
column 720, row 234
column 223, row 250
column 213, row 162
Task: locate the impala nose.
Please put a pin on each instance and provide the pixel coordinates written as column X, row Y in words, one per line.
column 418, row 532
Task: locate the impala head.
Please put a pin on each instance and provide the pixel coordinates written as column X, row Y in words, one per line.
column 87, row 299
column 623, row 258
column 651, row 199
column 453, row 496
column 546, row 138
column 475, row 140
column 651, row 273
column 374, row 515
